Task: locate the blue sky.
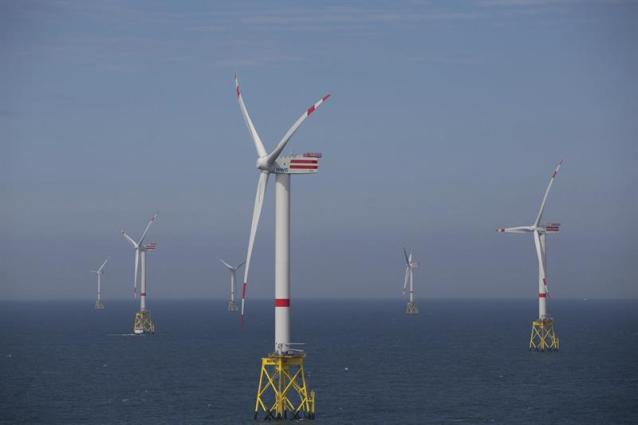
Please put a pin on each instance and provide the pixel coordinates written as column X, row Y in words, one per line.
column 446, row 121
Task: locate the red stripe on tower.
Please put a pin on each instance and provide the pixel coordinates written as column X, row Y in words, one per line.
column 142, row 294
column 282, row 302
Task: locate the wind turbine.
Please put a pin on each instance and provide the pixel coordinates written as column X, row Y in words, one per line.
column 410, row 265
column 99, row 272
column 232, row 305
column 284, row 358
column 543, row 336
column 143, row 323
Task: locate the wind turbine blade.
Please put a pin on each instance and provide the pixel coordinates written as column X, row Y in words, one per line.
column 405, row 254
column 261, row 151
column 102, row 266
column 148, row 226
column 407, row 277
column 259, row 202
column 539, row 254
column 238, row 266
column 130, row 239
column 549, row 186
column 519, row 229
column 284, row 141
column 137, row 260
column 228, row 266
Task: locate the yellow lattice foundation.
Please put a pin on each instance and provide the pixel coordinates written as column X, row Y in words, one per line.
column 143, row 323
column 411, row 308
column 99, row 305
column 282, row 391
column 543, row 337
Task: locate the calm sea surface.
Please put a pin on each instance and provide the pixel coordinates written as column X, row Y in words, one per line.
column 459, row 362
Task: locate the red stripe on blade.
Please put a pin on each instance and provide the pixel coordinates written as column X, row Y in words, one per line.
column 304, row 161
column 542, row 295
column 282, row 302
column 243, row 290
column 304, row 167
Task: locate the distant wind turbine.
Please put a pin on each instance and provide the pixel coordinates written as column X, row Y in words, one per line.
column 408, row 282
column 232, row 305
column 99, row 272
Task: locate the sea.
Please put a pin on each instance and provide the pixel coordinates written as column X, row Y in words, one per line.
column 458, row 362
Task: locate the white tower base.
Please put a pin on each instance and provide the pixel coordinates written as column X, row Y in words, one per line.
column 232, row 306
column 99, row 305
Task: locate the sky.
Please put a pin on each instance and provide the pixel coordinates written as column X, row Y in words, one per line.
column 445, row 122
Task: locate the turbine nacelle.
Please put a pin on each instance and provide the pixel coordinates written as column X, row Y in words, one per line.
column 307, row 163
column 541, row 228
column 551, row 228
column 296, row 164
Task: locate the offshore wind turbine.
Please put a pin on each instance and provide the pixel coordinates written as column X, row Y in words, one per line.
column 232, row 305
column 99, row 272
column 543, row 336
column 143, row 323
column 410, row 265
column 282, row 383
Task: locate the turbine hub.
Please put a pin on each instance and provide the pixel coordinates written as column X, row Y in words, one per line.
column 262, row 163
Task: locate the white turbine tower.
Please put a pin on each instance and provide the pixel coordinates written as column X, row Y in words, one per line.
column 543, row 336
column 232, row 305
column 284, row 357
column 143, row 323
column 410, row 265
column 99, row 272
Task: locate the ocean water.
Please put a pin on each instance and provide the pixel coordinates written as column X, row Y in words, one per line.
column 458, row 362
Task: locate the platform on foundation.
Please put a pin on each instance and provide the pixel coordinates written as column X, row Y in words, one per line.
column 282, row 391
column 232, row 306
column 143, row 323
column 543, row 336
column 99, row 305
column 411, row 308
